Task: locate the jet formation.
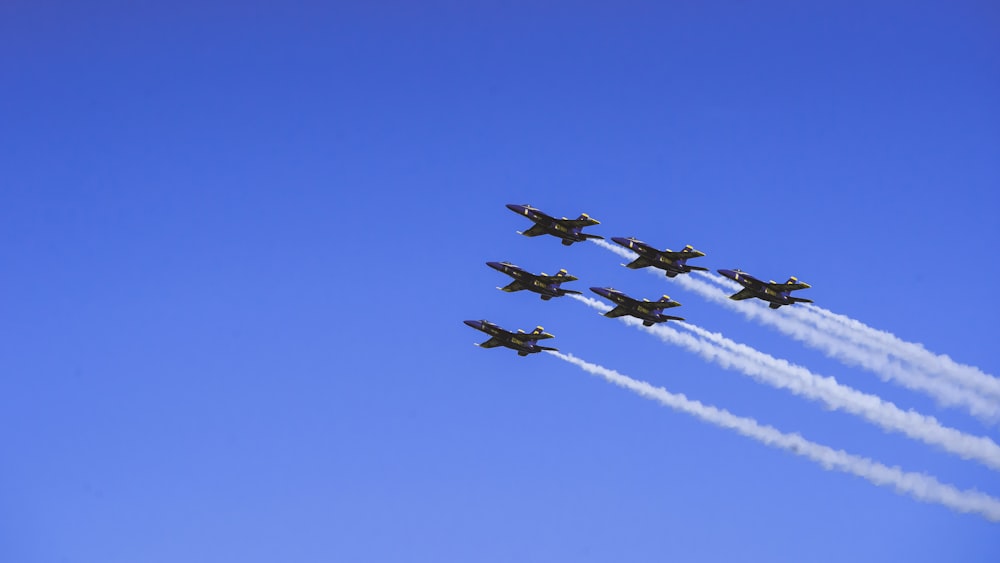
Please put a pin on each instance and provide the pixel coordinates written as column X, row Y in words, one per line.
column 673, row 263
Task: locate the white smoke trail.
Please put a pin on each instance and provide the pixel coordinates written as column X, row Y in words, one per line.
column 801, row 324
column 918, row 485
column 937, row 364
column 724, row 282
column 800, row 381
column 885, row 343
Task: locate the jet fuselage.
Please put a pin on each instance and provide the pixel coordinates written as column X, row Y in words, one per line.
column 569, row 230
column 544, row 285
column 650, row 312
column 764, row 290
column 524, row 342
column 673, row 263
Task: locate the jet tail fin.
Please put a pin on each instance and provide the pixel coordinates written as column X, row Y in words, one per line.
column 794, row 280
column 794, row 284
column 665, row 302
column 692, row 252
column 539, row 333
column 564, row 276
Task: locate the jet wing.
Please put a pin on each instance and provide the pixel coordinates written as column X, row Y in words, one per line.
column 745, row 293
column 534, row 231
column 618, row 311
column 513, row 286
column 639, row 262
column 491, row 343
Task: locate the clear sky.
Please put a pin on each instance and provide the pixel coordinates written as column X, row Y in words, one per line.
column 238, row 242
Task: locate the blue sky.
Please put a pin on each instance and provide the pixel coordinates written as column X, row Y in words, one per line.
column 238, row 243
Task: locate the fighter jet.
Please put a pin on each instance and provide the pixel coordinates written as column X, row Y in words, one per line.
column 671, row 262
column 776, row 294
column 545, row 285
column 651, row 312
column 569, row 230
column 524, row 342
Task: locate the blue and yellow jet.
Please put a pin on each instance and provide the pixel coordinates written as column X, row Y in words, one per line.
column 671, row 262
column 543, row 284
column 569, row 230
column 650, row 312
column 524, row 342
column 776, row 294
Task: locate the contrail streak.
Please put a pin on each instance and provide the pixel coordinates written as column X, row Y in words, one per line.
column 918, row 485
column 863, row 335
column 800, row 381
column 936, row 364
column 824, row 335
column 886, row 344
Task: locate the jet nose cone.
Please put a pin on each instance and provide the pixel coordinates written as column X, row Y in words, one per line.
column 602, row 291
column 495, row 266
column 475, row 324
column 728, row 273
column 516, row 208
